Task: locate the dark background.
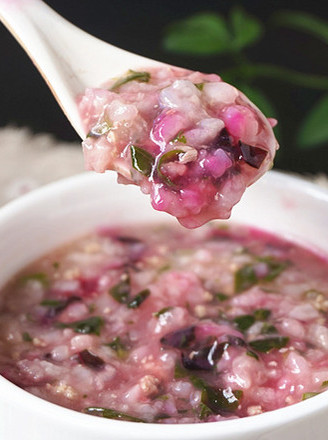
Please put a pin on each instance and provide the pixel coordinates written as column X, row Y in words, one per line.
column 138, row 26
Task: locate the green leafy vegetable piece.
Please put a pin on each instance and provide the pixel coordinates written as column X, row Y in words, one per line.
column 245, row 278
column 27, row 337
column 275, row 267
column 314, row 129
column 198, row 382
column 179, row 371
column 121, row 291
column 161, row 416
column 221, row 296
column 204, row 33
column 266, row 345
column 244, row 322
column 246, row 29
column 51, row 303
column 306, row 396
column 56, row 265
column 221, row 399
column 138, row 299
column 204, row 411
column 85, row 326
column 169, row 156
column 252, row 354
column 117, row 345
column 131, row 76
column 162, row 311
column 109, row 413
column 180, row 137
column 200, row 86
column 40, row 276
column 142, row 161
column 302, row 21
column 324, row 384
column 268, row 328
column 262, row 314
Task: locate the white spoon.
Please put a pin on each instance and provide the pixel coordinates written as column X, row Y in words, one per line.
column 68, row 58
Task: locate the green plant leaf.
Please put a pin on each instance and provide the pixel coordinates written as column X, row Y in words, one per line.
column 246, row 28
column 280, row 73
column 302, row 21
column 204, row 33
column 314, row 130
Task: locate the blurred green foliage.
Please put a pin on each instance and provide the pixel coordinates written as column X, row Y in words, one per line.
column 212, row 34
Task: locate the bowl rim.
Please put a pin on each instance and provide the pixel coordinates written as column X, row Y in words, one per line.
column 147, row 431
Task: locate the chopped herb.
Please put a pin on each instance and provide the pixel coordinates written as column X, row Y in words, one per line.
column 163, row 397
column 252, row 354
column 200, row 86
column 262, row 314
column 180, row 137
column 204, row 411
column 138, row 299
column 85, row 326
column 275, row 267
column 142, row 160
column 27, row 337
column 179, row 371
column 161, row 416
column 162, row 311
column 306, row 396
column 56, row 306
column 99, row 129
column 40, row 276
column 131, row 76
column 266, row 345
column 245, row 277
column 221, row 296
column 109, row 413
column 91, row 360
column 244, row 322
column 164, row 268
column 121, row 291
column 51, row 302
column 169, row 156
column 268, row 328
column 324, row 384
column 55, row 265
column 92, row 308
column 221, row 399
column 118, row 346
column 198, row 382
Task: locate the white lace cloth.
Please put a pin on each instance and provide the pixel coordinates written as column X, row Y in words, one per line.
column 28, row 161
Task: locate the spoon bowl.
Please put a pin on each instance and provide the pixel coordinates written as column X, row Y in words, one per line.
column 68, row 58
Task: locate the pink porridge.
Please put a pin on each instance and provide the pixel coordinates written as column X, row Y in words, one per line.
column 165, row 325
column 190, row 140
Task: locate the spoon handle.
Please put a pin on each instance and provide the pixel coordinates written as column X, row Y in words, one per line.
column 68, row 58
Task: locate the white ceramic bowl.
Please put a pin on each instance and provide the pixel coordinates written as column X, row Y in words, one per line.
column 46, row 218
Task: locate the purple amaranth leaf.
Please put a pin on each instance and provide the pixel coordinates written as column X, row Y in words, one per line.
column 180, row 338
column 91, row 360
